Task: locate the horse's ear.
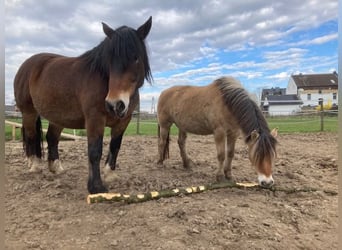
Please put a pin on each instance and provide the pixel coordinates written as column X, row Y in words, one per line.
column 274, row 132
column 144, row 29
column 254, row 136
column 107, row 30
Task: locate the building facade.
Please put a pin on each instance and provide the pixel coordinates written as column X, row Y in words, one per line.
column 311, row 87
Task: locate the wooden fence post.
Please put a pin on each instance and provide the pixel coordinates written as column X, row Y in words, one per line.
column 320, row 102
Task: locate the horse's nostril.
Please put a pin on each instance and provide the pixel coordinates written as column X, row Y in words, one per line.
column 120, row 107
column 109, row 107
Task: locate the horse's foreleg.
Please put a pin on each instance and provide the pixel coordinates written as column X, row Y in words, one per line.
column 52, row 138
column 220, row 142
column 187, row 162
column 229, row 158
column 95, row 139
column 32, row 140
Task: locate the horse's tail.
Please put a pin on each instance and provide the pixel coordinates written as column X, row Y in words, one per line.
column 166, row 154
column 38, row 141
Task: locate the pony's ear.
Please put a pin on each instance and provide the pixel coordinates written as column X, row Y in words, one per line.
column 254, row 136
column 274, row 132
column 144, row 29
column 107, row 30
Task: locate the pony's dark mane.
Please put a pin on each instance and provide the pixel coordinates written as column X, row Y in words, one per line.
column 117, row 53
column 248, row 115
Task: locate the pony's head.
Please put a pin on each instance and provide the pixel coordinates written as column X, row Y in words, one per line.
column 262, row 154
column 127, row 65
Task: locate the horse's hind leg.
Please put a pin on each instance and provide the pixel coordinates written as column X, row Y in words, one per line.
column 163, row 144
column 230, row 155
column 220, row 147
column 32, row 140
column 52, row 138
column 187, row 162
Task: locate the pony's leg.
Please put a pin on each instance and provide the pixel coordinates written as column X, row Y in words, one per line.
column 114, row 148
column 187, row 162
column 95, row 129
column 229, row 158
column 163, row 142
column 220, row 142
column 52, row 138
column 32, row 141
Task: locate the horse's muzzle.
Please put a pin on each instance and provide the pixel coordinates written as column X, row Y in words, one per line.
column 116, row 108
column 265, row 182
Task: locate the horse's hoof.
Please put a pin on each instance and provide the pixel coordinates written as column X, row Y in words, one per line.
column 230, row 178
column 109, row 175
column 189, row 165
column 220, row 178
column 35, row 169
column 160, row 164
column 56, row 167
column 97, row 189
column 34, row 164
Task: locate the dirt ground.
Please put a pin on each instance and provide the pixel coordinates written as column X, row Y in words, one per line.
column 44, row 211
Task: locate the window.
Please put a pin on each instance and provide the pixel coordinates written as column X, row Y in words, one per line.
column 334, row 96
column 309, row 97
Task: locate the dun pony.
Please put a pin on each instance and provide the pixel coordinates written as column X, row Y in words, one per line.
column 222, row 108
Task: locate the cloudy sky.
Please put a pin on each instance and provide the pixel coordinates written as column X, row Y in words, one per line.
column 191, row 41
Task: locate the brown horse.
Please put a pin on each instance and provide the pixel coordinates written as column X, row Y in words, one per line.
column 222, row 108
column 96, row 89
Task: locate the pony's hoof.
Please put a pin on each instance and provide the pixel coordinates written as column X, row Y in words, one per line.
column 56, row 167
column 109, row 175
column 95, row 189
column 189, row 165
column 35, row 169
column 220, row 178
column 160, row 164
column 230, row 178
column 34, row 164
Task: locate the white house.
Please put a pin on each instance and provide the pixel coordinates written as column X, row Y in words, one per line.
column 275, row 105
column 311, row 87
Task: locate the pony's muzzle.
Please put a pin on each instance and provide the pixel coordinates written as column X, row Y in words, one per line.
column 265, row 182
column 116, row 108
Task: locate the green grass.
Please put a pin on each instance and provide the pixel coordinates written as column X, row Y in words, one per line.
column 303, row 124
column 291, row 124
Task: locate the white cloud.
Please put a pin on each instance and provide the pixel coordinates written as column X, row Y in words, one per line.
column 190, row 42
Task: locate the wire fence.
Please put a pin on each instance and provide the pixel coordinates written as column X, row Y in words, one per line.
column 145, row 123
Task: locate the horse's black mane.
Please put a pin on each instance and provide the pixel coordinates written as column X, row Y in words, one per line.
column 247, row 114
column 117, row 53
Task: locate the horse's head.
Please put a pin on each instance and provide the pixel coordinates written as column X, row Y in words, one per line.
column 128, row 65
column 262, row 154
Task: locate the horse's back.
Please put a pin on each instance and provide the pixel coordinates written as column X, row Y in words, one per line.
column 28, row 72
column 198, row 110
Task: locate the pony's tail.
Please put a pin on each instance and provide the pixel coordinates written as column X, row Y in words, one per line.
column 166, row 154
column 38, row 141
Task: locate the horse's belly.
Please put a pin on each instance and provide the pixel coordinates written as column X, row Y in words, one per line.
column 195, row 128
column 63, row 118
